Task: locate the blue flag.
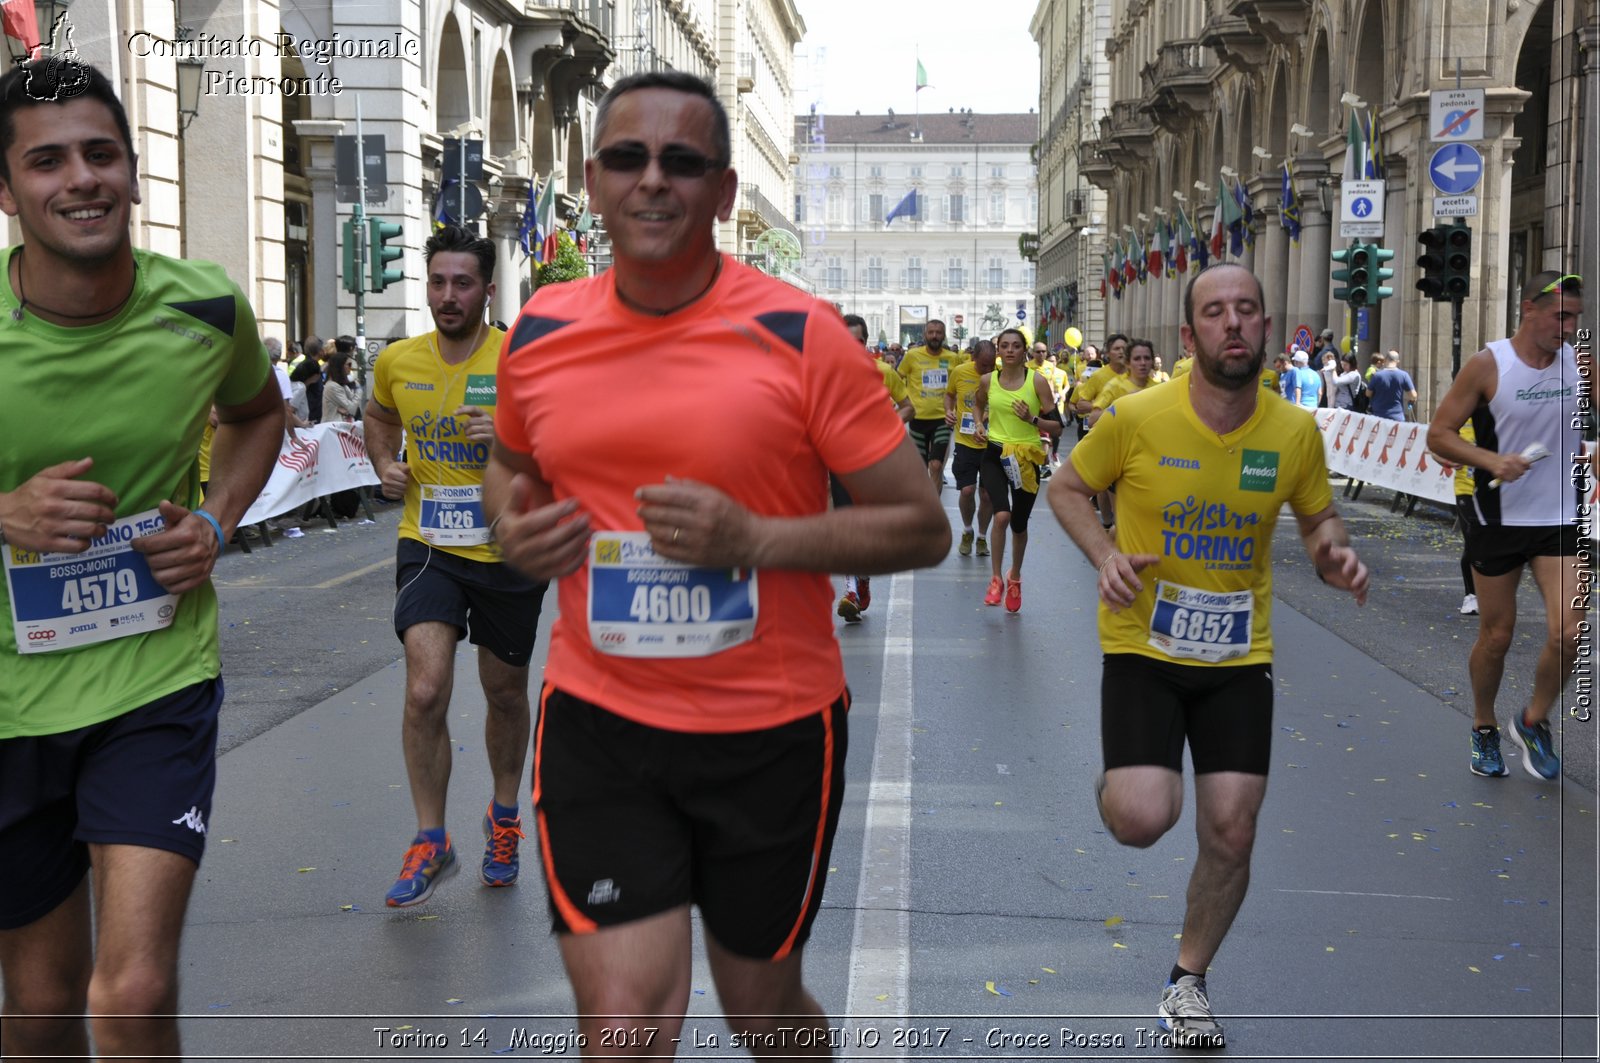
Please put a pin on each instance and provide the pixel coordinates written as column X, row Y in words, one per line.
column 530, row 213
column 1288, row 206
column 906, row 208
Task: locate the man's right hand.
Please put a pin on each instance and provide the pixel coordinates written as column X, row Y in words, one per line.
column 395, row 478
column 55, row 512
column 542, row 542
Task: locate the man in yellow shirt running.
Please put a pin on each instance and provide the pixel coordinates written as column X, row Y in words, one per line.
column 926, row 372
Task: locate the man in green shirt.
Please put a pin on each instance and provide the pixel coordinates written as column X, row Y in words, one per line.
column 109, row 674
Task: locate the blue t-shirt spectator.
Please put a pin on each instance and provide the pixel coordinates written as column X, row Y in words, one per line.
column 1309, row 381
column 1392, row 388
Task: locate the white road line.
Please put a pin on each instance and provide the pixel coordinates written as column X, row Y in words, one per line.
column 1349, row 893
column 880, row 948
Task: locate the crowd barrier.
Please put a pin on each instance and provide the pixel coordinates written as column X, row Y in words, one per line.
column 313, row 463
column 1394, row 454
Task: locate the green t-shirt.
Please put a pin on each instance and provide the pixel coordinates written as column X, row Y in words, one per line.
column 133, row 393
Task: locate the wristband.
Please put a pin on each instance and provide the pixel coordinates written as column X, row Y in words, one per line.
column 215, row 525
column 1108, row 560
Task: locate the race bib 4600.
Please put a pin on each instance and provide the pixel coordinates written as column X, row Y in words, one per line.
column 644, row 605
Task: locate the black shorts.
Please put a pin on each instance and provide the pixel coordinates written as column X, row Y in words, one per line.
column 1003, row 498
column 144, row 778
column 968, row 461
column 493, row 602
column 1148, row 707
column 841, row 497
column 931, row 437
column 636, row 820
column 1495, row 549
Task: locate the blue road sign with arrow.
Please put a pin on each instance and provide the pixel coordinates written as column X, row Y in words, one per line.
column 1455, row 169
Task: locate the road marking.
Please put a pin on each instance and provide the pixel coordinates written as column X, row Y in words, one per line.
column 1351, row 893
column 252, row 583
column 357, row 574
column 880, row 947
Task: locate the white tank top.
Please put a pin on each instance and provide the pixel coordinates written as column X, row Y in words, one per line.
column 1530, row 405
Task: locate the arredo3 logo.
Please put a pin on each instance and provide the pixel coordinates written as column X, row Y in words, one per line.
column 57, row 75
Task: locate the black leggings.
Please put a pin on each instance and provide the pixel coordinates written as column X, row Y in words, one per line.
column 1002, row 496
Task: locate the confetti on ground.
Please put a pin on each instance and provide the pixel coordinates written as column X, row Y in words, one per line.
column 1115, row 920
column 1328, row 949
column 1118, row 945
column 453, row 1000
column 425, row 918
column 1033, row 981
column 303, row 870
column 1048, row 970
column 348, row 908
column 215, row 1007
column 1474, row 970
column 882, row 997
column 228, row 841
column 999, row 991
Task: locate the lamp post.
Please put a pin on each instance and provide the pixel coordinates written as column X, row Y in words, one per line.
column 191, row 76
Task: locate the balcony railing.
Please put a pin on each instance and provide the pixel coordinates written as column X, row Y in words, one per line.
column 601, row 14
column 766, row 210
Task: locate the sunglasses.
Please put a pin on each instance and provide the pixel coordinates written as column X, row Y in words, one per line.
column 674, row 162
column 1570, row 283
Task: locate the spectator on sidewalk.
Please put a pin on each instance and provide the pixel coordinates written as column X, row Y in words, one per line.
column 1392, row 389
column 1305, row 387
column 1348, row 385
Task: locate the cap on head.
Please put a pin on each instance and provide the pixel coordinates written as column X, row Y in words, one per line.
column 1327, row 333
column 1301, row 358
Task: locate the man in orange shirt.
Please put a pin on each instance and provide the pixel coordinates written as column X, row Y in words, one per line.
column 691, row 737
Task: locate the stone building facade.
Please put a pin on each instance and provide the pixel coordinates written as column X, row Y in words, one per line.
column 1199, row 85
column 958, row 256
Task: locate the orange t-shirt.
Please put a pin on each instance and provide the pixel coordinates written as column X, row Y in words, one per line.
column 764, row 391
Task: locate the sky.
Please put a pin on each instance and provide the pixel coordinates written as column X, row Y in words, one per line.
column 977, row 55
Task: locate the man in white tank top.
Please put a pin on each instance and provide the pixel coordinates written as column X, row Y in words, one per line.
column 1522, row 395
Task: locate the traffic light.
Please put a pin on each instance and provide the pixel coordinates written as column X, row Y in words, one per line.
column 1358, row 274
column 380, row 254
column 1376, row 290
column 1457, row 261
column 351, row 274
column 1343, row 255
column 1432, row 263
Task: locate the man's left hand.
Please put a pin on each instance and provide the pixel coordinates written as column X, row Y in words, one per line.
column 1340, row 567
column 182, row 556
column 699, row 525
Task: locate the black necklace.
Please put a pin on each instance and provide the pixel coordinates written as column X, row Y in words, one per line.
column 674, row 309
column 16, row 315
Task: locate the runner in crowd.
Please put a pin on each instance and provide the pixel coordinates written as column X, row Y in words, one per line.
column 1116, row 365
column 695, row 652
column 1141, row 364
column 961, row 411
column 1014, row 405
column 1521, row 393
column 1157, row 374
column 108, row 709
column 1185, row 606
column 858, row 589
column 926, row 372
column 452, row 582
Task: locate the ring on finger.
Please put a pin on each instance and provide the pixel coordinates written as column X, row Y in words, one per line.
column 675, row 533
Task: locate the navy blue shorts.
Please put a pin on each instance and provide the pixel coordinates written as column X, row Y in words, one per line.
column 492, row 602
column 144, row 778
column 636, row 820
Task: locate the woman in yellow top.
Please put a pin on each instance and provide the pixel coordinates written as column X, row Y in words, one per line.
column 1141, row 365
column 1010, row 401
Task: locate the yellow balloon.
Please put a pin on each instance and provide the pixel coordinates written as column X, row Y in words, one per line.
column 1344, row 345
column 1073, row 337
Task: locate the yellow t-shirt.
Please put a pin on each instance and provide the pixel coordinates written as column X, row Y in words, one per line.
column 1206, row 506
column 1159, row 376
column 926, row 376
column 1182, row 365
column 1269, row 380
column 1115, row 389
column 892, row 381
column 1089, row 390
column 963, row 385
column 444, row 500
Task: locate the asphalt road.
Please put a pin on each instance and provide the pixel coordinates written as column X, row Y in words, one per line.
column 1400, row 908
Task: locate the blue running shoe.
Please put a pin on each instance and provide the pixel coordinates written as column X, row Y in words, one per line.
column 1539, row 753
column 1486, row 758
column 426, row 866
column 500, row 864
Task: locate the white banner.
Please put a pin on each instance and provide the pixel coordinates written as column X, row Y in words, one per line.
column 1392, row 454
column 318, row 461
